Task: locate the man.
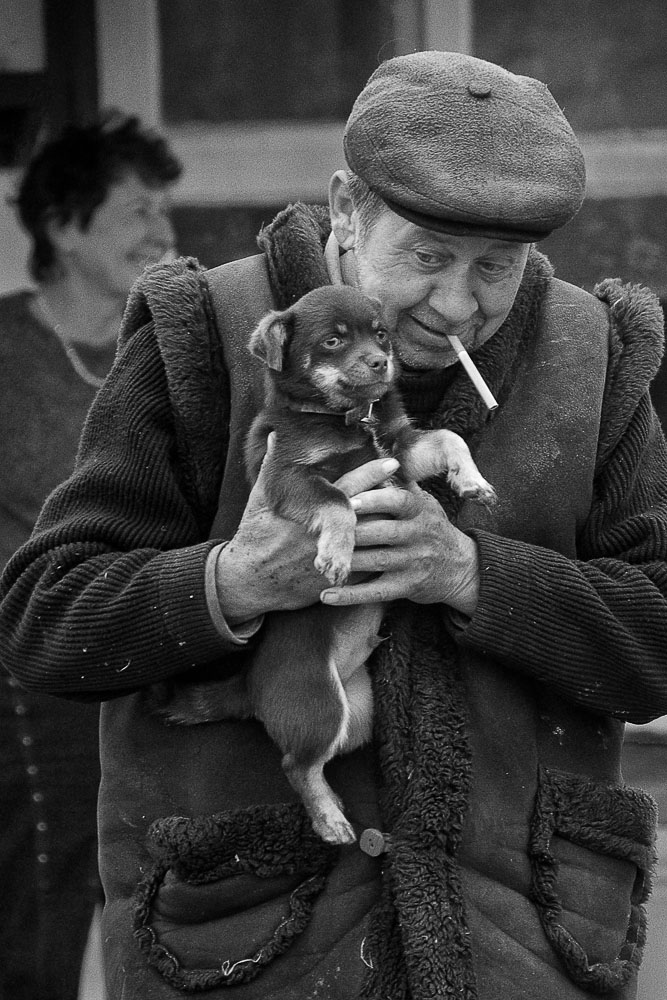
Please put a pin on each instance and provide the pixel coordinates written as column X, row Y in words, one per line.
column 94, row 201
column 500, row 853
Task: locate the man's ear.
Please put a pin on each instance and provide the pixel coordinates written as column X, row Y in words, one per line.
column 342, row 211
column 267, row 342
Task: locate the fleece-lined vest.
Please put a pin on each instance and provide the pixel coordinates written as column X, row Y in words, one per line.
column 550, row 427
column 530, row 807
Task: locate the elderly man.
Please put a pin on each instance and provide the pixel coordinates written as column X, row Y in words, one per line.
column 500, row 853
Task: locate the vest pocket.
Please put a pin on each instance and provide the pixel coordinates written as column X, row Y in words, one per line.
column 263, row 867
column 592, row 851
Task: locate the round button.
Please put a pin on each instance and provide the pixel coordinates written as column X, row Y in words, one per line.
column 479, row 87
column 373, row 842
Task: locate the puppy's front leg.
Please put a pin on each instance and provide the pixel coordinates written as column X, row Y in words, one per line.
column 334, row 526
column 302, row 495
column 432, row 452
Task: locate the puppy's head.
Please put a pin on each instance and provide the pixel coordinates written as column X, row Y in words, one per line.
column 331, row 345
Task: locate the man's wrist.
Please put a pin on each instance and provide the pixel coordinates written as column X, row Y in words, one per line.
column 466, row 596
column 236, row 626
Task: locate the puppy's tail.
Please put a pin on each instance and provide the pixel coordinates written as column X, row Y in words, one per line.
column 207, row 701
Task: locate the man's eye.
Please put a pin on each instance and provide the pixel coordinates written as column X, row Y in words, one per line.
column 332, row 343
column 494, row 268
column 427, row 258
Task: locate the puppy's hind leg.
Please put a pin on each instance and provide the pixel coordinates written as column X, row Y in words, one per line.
column 310, row 729
column 321, row 802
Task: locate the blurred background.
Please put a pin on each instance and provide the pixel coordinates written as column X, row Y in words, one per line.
column 252, row 96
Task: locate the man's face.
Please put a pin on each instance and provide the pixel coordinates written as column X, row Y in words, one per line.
column 130, row 229
column 431, row 284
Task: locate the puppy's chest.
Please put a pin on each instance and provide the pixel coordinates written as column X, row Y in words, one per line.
column 333, row 451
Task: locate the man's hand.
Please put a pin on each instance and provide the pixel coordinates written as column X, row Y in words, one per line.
column 268, row 564
column 404, row 535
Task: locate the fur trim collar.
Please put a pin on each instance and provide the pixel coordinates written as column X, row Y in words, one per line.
column 294, row 244
column 636, row 343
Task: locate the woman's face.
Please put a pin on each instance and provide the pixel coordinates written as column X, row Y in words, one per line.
column 129, row 230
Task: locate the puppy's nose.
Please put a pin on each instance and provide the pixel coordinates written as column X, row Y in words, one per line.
column 376, row 362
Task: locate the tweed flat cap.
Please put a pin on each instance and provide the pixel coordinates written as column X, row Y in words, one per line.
column 461, row 145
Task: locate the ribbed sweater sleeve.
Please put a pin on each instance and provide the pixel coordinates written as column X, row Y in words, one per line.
column 112, row 616
column 593, row 628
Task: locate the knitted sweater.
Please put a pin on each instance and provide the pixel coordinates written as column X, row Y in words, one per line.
column 565, row 638
column 49, row 748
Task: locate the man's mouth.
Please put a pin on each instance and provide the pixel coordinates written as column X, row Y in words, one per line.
column 429, row 329
column 466, row 332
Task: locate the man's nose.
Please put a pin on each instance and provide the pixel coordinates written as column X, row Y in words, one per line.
column 452, row 297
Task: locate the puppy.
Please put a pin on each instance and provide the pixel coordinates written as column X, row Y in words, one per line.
column 332, row 405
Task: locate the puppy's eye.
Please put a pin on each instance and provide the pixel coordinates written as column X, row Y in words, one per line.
column 381, row 336
column 332, row 343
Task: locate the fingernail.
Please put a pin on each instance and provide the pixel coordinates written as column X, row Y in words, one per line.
column 329, row 597
column 390, row 466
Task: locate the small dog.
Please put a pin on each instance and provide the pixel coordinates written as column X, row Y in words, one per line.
column 332, row 405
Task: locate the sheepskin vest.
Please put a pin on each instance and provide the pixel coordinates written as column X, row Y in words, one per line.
column 532, row 787
column 514, row 861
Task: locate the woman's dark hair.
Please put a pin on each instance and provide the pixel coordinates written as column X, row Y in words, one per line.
column 69, row 177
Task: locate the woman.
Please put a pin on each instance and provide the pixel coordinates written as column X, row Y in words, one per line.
column 94, row 202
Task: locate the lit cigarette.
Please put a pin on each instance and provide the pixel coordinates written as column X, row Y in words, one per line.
column 489, row 399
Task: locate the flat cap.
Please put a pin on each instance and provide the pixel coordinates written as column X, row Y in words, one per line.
column 461, row 145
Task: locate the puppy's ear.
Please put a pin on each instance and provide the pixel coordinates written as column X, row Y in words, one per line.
column 267, row 341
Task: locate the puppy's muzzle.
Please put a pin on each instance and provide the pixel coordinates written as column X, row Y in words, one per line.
column 378, row 363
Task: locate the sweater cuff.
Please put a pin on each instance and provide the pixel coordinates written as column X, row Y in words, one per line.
column 241, row 633
column 506, row 569
column 184, row 604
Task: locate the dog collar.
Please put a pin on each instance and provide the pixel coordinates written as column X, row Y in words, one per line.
column 357, row 415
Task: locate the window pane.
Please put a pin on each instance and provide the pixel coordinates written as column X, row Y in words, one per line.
column 254, row 60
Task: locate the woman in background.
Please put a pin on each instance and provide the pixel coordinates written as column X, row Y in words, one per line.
column 95, row 204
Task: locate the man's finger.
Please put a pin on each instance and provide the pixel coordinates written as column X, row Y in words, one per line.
column 392, row 502
column 375, row 592
column 367, row 476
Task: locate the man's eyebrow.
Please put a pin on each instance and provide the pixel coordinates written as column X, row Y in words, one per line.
column 447, row 241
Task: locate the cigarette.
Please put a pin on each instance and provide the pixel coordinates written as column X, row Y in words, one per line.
column 472, row 371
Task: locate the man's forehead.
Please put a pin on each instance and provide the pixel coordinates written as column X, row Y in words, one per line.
column 413, row 234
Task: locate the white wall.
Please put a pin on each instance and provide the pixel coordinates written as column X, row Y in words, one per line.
column 21, row 50
column 14, row 244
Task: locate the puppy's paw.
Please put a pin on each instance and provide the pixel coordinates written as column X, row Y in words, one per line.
column 333, row 827
column 335, row 545
column 335, row 566
column 474, row 488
